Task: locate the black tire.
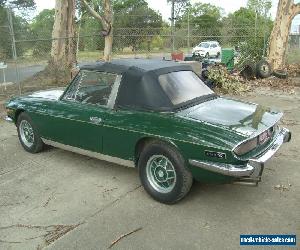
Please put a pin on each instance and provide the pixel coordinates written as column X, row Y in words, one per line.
column 263, row 69
column 183, row 177
column 281, row 74
column 248, row 72
column 37, row 143
column 204, row 74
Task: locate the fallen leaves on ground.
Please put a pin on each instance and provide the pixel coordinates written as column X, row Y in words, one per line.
column 282, row 187
column 294, row 70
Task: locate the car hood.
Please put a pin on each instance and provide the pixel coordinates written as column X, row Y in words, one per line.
column 200, row 48
column 52, row 94
column 246, row 119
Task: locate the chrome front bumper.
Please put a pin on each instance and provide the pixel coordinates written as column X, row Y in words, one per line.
column 8, row 119
column 251, row 172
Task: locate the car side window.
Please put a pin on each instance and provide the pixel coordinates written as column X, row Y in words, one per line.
column 91, row 87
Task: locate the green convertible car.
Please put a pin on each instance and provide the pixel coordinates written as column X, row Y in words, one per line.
column 157, row 116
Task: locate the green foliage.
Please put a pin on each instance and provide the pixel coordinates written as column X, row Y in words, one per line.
column 225, row 83
column 20, row 4
column 204, row 19
column 20, row 26
column 138, row 18
column 133, row 20
column 180, row 6
column 41, row 28
column 262, row 7
column 90, row 34
column 201, row 15
column 157, row 42
column 5, row 49
column 249, row 31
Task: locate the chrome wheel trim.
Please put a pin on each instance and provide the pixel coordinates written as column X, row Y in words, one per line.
column 161, row 173
column 26, row 133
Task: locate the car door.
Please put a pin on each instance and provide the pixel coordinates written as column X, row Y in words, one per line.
column 76, row 119
column 213, row 49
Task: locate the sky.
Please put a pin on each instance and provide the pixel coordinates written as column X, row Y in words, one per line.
column 165, row 9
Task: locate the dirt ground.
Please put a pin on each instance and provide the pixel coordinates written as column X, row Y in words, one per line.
column 60, row 200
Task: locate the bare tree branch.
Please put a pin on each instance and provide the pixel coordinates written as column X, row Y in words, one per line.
column 296, row 9
column 94, row 13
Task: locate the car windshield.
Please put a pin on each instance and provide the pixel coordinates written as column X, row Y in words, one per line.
column 204, row 45
column 183, row 86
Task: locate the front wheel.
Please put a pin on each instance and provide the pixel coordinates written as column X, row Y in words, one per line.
column 28, row 135
column 163, row 173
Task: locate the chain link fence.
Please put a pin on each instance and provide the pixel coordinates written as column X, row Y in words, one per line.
column 26, row 53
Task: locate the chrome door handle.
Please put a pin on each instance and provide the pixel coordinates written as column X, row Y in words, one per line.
column 95, row 120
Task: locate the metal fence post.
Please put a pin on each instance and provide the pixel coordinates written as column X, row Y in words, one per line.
column 188, row 36
column 14, row 50
column 173, row 25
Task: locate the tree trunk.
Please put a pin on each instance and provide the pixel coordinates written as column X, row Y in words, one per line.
column 286, row 11
column 108, row 16
column 63, row 54
column 108, row 47
column 107, row 25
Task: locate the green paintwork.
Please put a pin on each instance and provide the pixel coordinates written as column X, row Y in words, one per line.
column 217, row 125
column 227, row 58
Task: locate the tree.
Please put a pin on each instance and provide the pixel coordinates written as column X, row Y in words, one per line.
column 89, row 34
column 106, row 19
column 261, row 7
column 179, row 7
column 176, row 10
column 63, row 54
column 41, row 28
column 202, row 15
column 204, row 21
column 20, row 25
column 239, row 30
column 139, row 19
column 20, row 4
column 286, row 11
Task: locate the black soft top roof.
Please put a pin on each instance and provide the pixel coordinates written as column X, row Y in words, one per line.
column 139, row 87
column 122, row 65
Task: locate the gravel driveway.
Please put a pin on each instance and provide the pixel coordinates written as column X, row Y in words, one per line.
column 61, row 200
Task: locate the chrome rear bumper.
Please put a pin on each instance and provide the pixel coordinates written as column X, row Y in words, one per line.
column 249, row 174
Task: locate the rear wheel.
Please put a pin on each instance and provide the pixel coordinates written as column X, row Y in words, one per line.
column 163, row 173
column 28, row 135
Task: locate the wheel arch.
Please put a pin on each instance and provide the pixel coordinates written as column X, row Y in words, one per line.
column 17, row 113
column 142, row 142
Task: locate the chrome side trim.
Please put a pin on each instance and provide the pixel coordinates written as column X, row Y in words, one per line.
column 92, row 154
column 114, row 92
column 249, row 183
column 223, row 168
column 125, row 129
column 8, row 119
